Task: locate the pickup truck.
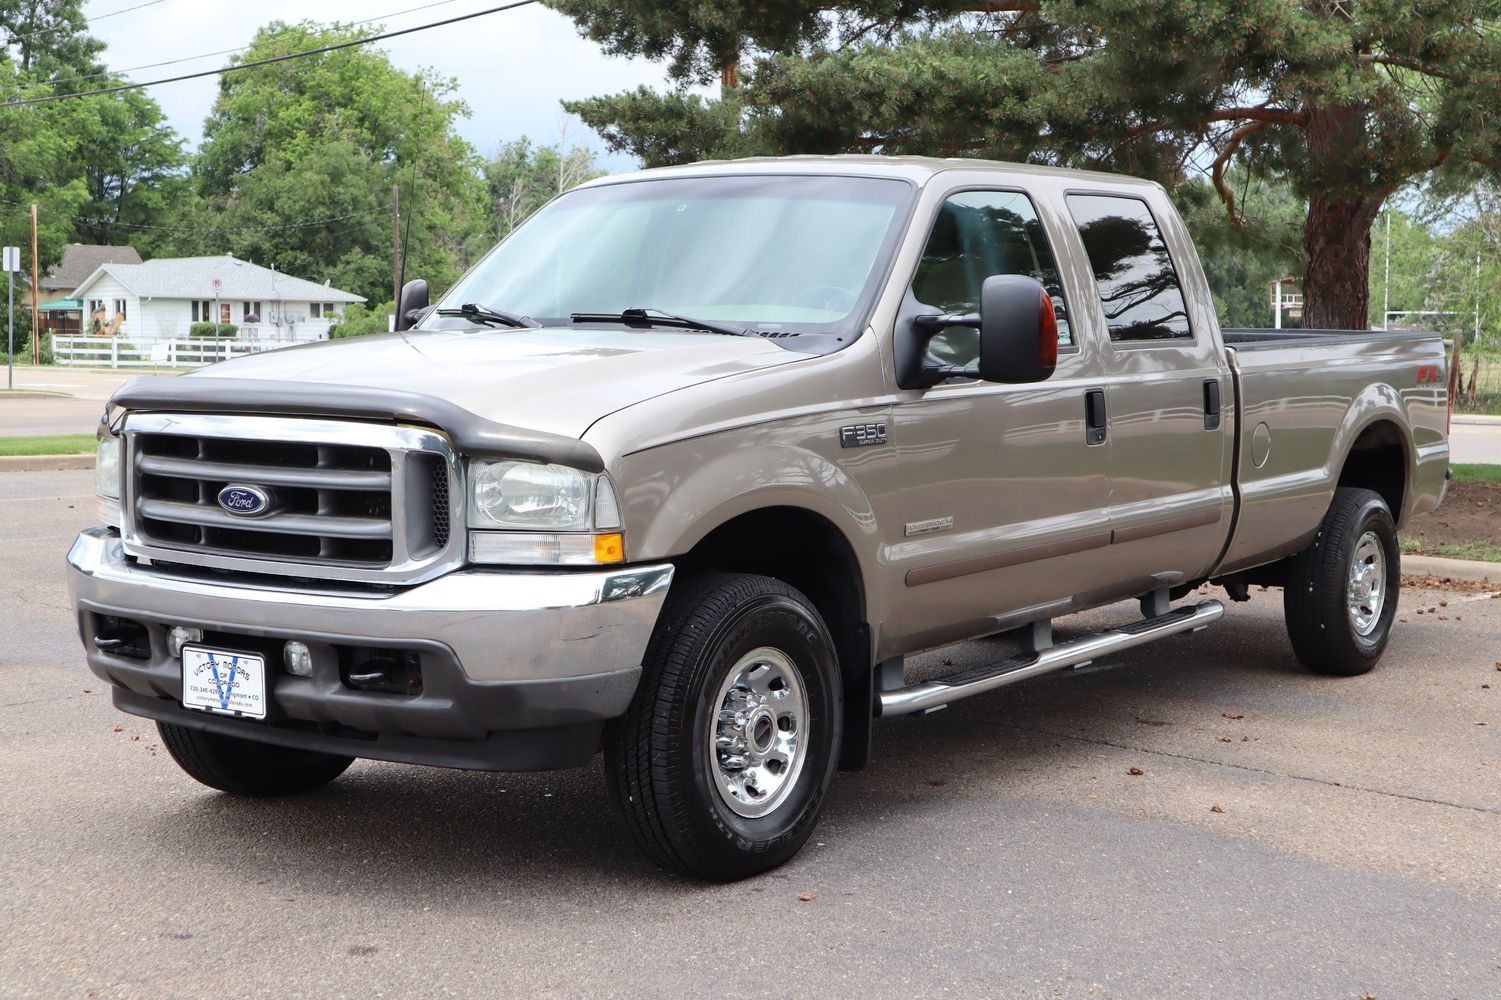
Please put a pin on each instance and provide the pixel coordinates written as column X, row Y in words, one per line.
column 688, row 465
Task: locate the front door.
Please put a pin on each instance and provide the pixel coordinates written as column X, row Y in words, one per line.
column 1002, row 516
column 1167, row 401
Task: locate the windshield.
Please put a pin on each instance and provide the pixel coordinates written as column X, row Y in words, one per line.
column 760, row 252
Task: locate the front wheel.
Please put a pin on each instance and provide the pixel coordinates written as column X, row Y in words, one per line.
column 720, row 767
column 1341, row 592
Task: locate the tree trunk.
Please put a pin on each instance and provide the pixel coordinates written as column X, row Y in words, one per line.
column 1337, row 238
column 1337, row 284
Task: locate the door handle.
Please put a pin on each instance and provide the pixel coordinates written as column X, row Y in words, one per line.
column 1211, row 404
column 1094, row 417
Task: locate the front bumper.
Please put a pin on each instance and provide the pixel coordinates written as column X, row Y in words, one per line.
column 519, row 670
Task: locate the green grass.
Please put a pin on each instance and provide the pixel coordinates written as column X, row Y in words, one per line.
column 49, row 444
column 1474, row 551
column 1472, row 474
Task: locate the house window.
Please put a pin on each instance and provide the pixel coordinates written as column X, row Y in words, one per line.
column 252, row 310
column 96, row 305
column 120, row 308
column 328, row 310
column 315, row 310
column 203, row 311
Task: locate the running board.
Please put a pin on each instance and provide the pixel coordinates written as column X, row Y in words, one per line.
column 931, row 695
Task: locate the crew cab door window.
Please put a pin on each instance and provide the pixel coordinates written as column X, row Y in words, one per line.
column 1138, row 284
column 978, row 234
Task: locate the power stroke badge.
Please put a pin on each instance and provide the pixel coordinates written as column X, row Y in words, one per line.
column 862, row 435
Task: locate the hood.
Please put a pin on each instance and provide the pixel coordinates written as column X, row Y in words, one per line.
column 559, row 381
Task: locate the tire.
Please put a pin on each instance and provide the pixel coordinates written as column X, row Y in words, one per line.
column 756, row 647
column 1328, row 635
column 246, row 767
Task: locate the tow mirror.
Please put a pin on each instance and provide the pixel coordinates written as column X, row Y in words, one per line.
column 1018, row 330
column 1018, row 337
column 414, row 297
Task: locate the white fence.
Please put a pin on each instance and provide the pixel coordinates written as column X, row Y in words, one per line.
column 116, row 352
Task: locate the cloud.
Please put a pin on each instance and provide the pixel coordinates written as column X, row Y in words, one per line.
column 512, row 67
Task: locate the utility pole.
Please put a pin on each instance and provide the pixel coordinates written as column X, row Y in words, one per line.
column 396, row 245
column 1386, row 283
column 10, row 261
column 36, row 281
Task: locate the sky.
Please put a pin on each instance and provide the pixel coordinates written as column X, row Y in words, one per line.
column 512, row 67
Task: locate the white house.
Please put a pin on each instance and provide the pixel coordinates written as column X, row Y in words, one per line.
column 161, row 299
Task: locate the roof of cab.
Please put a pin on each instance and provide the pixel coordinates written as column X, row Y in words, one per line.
column 918, row 169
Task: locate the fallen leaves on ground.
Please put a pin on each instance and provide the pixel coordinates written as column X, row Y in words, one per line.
column 1135, row 772
column 1216, row 808
column 118, row 729
column 804, row 897
column 1232, row 715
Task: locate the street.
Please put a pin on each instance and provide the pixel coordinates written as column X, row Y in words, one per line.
column 999, row 848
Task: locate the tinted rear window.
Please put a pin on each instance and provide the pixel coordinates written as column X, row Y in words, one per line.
column 1138, row 283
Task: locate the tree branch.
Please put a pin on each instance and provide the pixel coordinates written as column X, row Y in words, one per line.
column 1372, row 57
column 1232, row 144
column 1263, row 114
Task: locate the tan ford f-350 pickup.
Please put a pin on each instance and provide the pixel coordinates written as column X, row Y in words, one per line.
column 687, row 465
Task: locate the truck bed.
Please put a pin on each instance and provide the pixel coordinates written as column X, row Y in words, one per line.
column 1303, row 399
column 1260, row 339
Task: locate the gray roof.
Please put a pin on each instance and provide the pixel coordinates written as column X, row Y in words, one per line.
column 193, row 278
column 82, row 259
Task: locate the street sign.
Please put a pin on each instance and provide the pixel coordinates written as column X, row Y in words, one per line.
column 10, row 259
column 218, row 286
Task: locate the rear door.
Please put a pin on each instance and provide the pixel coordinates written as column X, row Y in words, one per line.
column 1167, row 392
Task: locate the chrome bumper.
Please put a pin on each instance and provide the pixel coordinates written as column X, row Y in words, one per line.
column 519, row 670
column 500, row 625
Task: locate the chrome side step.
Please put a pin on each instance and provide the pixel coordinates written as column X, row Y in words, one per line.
column 935, row 694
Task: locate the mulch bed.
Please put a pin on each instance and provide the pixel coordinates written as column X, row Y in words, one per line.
column 1470, row 513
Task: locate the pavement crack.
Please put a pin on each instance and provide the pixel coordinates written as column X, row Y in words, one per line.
column 1256, row 770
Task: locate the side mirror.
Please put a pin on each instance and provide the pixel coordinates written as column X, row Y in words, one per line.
column 1018, row 330
column 414, row 296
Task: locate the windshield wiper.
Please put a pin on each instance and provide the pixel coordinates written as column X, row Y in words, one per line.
column 648, row 316
column 495, row 317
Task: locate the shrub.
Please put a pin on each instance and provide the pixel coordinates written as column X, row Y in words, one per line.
column 23, row 349
column 361, row 320
column 212, row 331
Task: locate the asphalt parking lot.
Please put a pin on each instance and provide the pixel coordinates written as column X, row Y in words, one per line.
column 1001, row 848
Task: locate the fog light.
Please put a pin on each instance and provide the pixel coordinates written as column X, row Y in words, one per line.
column 178, row 637
column 298, row 659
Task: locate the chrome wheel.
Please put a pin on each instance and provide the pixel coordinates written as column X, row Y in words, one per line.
column 759, row 738
column 1366, row 590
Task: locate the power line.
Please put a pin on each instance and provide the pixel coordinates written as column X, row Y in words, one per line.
column 57, row 81
column 83, row 221
column 90, row 20
column 267, row 62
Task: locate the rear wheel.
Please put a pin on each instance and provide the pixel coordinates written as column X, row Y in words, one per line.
column 720, row 767
column 1340, row 598
column 246, row 767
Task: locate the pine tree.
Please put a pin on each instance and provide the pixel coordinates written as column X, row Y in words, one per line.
column 1346, row 99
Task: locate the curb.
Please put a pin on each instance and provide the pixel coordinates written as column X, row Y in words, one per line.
column 1454, row 569
column 44, row 463
column 1476, row 418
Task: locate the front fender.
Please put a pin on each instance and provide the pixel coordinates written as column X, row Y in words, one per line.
column 675, row 495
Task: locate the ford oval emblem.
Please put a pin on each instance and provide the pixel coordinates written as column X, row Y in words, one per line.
column 246, row 501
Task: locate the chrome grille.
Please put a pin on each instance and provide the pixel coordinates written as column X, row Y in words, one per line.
column 344, row 500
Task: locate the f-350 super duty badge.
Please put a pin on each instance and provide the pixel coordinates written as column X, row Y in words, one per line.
column 861, row 435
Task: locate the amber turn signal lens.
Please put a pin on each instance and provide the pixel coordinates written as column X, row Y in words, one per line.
column 609, row 548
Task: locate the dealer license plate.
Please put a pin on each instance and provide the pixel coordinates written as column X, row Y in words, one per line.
column 224, row 682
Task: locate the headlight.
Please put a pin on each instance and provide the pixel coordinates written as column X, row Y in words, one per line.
column 526, row 513
column 107, row 481
column 529, row 496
